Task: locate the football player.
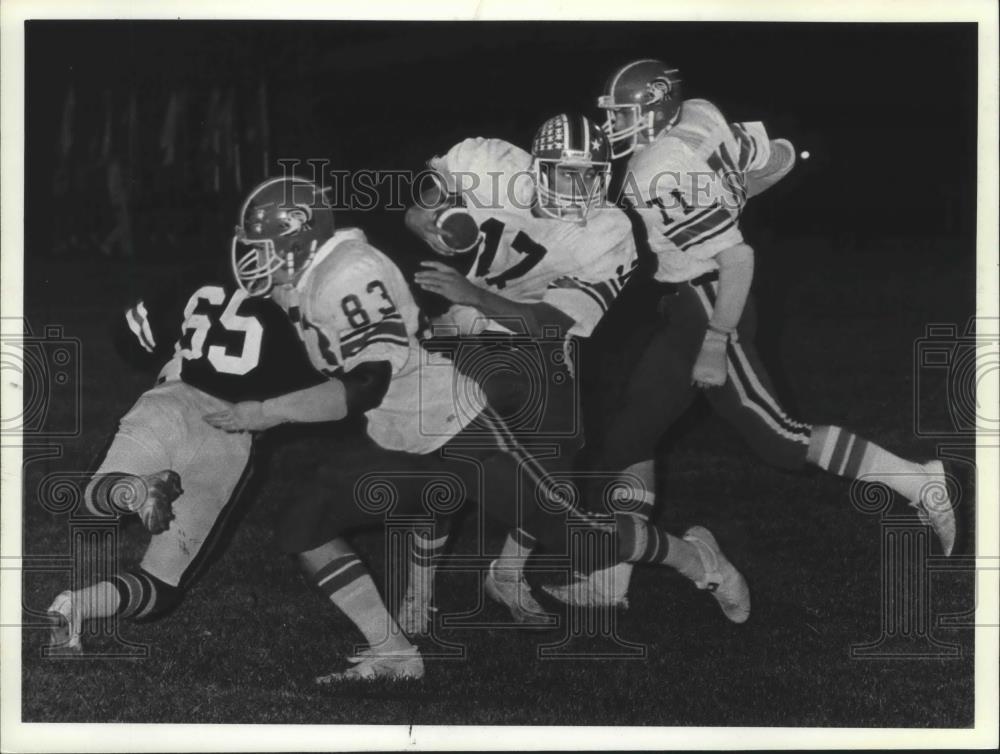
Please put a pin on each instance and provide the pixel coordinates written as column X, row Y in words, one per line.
column 555, row 197
column 353, row 308
column 182, row 476
column 688, row 176
column 551, row 258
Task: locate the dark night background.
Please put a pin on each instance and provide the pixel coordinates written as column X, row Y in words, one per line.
column 887, row 111
column 857, row 252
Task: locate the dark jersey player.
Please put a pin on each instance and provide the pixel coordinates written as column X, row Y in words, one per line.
column 181, row 475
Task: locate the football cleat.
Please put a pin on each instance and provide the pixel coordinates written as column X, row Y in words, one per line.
column 370, row 665
column 934, row 506
column 607, row 587
column 67, row 625
column 721, row 578
column 509, row 587
column 155, row 507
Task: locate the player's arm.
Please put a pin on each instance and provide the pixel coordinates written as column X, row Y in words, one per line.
column 145, row 331
column 353, row 393
column 780, row 162
column 448, row 282
column 735, row 277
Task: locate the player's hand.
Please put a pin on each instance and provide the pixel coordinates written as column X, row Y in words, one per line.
column 246, row 416
column 446, row 281
column 423, row 224
column 710, row 366
column 155, row 504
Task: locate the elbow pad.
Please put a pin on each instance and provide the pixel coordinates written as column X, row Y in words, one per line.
column 366, row 385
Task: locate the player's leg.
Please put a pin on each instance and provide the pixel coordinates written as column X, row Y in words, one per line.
column 696, row 555
column 427, row 545
column 337, row 572
column 163, row 430
column 531, row 390
column 658, row 391
column 841, row 452
column 337, row 501
column 137, row 449
column 749, row 403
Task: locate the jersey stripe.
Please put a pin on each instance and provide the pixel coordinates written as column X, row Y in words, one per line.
column 389, row 330
column 703, row 238
column 394, row 319
column 686, row 234
column 604, row 293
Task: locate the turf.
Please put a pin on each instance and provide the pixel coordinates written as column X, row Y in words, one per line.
column 246, row 643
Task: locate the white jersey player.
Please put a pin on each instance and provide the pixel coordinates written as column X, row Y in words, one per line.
column 551, row 256
column 356, row 316
column 543, row 237
column 689, row 174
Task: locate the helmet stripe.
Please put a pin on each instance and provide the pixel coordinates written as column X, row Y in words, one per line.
column 567, row 133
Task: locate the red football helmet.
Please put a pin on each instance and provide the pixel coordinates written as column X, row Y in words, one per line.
column 282, row 224
column 646, row 94
column 572, row 166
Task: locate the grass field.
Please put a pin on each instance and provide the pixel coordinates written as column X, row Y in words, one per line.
column 839, row 325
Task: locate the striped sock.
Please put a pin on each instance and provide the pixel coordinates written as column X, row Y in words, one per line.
column 346, row 582
column 846, row 454
column 641, row 542
column 517, row 548
column 423, row 554
column 136, row 594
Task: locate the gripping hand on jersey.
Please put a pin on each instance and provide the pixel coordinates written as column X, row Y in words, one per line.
column 710, row 366
column 446, row 281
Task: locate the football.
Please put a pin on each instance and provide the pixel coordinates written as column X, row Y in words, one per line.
column 462, row 227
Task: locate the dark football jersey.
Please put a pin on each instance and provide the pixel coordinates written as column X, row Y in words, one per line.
column 223, row 342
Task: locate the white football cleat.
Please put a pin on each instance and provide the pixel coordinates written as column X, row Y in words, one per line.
column 414, row 615
column 934, row 505
column 67, row 625
column 607, row 587
column 721, row 578
column 509, row 587
column 371, row 664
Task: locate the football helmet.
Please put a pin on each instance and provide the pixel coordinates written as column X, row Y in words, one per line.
column 575, row 142
column 648, row 94
column 282, row 224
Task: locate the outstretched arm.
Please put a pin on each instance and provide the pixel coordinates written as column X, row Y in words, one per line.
column 358, row 391
column 439, row 278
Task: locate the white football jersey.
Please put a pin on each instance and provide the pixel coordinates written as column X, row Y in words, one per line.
column 355, row 307
column 689, row 187
column 578, row 269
